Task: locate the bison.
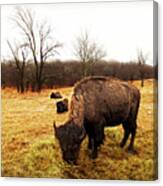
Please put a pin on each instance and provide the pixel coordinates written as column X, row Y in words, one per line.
column 62, row 106
column 98, row 102
column 55, row 95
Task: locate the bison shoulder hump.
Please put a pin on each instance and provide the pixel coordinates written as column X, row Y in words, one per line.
column 93, row 79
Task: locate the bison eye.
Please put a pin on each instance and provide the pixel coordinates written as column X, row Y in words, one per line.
column 72, row 147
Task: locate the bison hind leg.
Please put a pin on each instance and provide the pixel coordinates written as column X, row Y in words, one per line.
column 129, row 128
column 133, row 133
column 126, row 128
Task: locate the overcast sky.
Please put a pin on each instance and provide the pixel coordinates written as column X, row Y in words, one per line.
column 121, row 28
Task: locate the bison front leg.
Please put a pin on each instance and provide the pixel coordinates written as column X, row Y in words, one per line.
column 94, row 149
column 97, row 138
column 90, row 142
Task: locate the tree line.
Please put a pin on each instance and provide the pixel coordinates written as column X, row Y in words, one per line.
column 31, row 67
column 66, row 73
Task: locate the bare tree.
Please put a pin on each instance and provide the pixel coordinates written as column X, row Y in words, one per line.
column 38, row 36
column 88, row 52
column 20, row 54
column 141, row 62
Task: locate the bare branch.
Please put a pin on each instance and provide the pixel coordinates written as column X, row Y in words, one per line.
column 12, row 50
column 87, row 50
column 141, row 57
column 38, row 37
column 51, row 49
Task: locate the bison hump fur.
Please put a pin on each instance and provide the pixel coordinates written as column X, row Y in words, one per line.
column 77, row 110
column 104, row 98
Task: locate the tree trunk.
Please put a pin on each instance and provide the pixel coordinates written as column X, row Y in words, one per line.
column 86, row 69
column 22, row 81
column 39, row 82
column 17, row 87
column 22, row 88
column 33, row 86
column 142, row 79
column 39, row 86
column 142, row 82
column 27, row 86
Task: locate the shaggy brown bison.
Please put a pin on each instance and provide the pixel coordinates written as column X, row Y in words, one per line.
column 98, row 102
column 62, row 106
column 55, row 95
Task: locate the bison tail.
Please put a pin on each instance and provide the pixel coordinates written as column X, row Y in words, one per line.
column 136, row 100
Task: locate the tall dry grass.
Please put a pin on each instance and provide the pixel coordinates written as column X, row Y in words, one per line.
column 29, row 148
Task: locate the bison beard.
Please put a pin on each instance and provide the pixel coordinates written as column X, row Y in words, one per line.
column 70, row 137
column 98, row 102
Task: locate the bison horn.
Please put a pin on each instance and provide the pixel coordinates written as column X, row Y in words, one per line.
column 77, row 97
column 55, row 128
column 54, row 125
column 82, row 136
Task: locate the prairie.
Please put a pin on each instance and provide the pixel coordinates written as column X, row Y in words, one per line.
column 29, row 148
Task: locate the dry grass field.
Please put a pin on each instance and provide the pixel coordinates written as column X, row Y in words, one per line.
column 29, row 148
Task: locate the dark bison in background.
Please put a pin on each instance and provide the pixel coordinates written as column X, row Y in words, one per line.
column 62, row 106
column 55, row 95
column 98, row 102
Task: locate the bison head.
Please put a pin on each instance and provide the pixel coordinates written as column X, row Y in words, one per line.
column 70, row 137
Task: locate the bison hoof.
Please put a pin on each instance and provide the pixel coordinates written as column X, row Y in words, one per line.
column 93, row 155
column 121, row 145
column 131, row 150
